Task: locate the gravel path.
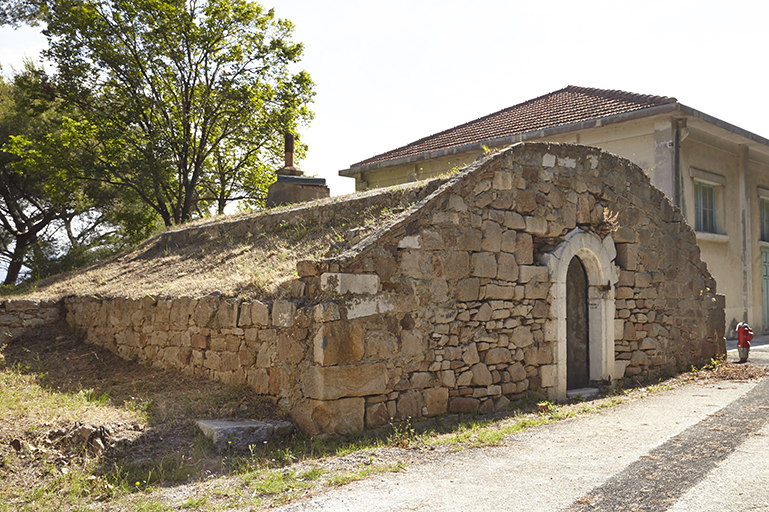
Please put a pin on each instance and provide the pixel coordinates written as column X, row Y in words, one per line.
column 698, row 447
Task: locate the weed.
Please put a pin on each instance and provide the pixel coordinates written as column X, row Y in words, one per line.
column 714, row 363
column 311, row 474
column 657, row 388
column 402, row 435
column 151, row 506
column 196, row 502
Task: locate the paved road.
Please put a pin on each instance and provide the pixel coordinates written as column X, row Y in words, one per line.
column 696, row 448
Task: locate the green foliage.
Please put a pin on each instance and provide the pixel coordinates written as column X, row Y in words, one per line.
column 190, row 99
column 51, row 220
column 16, row 12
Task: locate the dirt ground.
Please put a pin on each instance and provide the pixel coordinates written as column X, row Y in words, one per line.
column 78, row 420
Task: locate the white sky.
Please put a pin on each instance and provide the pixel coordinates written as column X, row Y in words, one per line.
column 388, row 73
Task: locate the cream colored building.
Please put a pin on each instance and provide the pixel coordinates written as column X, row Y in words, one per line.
column 717, row 173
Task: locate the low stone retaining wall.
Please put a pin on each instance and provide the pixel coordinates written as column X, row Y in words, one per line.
column 18, row 315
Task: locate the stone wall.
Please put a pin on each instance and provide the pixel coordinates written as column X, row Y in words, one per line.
column 455, row 306
column 18, row 315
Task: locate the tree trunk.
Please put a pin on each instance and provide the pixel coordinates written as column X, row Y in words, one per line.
column 17, row 260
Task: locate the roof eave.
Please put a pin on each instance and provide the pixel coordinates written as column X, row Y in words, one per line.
column 521, row 137
column 724, row 125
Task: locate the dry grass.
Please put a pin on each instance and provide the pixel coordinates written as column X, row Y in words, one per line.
column 52, row 385
column 254, row 266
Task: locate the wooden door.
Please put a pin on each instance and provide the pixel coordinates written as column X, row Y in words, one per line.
column 577, row 332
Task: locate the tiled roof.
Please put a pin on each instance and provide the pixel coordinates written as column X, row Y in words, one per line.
column 569, row 105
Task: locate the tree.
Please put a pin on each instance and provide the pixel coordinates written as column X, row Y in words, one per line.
column 31, row 198
column 50, row 220
column 16, row 12
column 189, row 97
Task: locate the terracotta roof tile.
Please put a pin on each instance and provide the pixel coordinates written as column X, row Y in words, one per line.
column 569, row 105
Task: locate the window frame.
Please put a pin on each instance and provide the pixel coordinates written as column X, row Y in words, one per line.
column 763, row 209
column 702, row 221
column 716, row 183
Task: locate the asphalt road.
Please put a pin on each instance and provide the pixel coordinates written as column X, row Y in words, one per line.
column 701, row 447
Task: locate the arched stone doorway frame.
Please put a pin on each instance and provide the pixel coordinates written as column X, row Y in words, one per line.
column 597, row 256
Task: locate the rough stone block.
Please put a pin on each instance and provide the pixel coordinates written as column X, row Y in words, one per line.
column 463, row 405
column 260, row 313
column 531, row 273
column 417, row 264
column 627, row 256
column 362, row 307
column 456, row 265
column 468, row 290
column 470, row 354
column 624, row 235
column 409, row 405
column 469, row 239
column 421, row 380
column 451, row 218
column 436, row 401
column 229, row 362
column 283, row 312
column 643, row 279
column 326, row 312
column 447, row 378
column 338, row 343
column 483, row 264
column 334, row 418
column 497, row 355
column 503, row 180
column 481, row 375
column 536, row 225
column 464, row 379
column 517, row 372
column 18, row 305
column 456, row 203
column 332, row 382
column 227, row 315
column 548, row 375
column 377, row 415
column 649, row 344
column 522, row 337
column 492, row 236
column 494, row 291
column 259, row 380
column 639, row 358
column 204, row 311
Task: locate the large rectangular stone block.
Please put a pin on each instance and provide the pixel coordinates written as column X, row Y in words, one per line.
column 362, row 284
column 335, row 418
column 332, row 382
column 627, row 256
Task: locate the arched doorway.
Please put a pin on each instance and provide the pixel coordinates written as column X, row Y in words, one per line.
column 577, row 331
column 596, row 257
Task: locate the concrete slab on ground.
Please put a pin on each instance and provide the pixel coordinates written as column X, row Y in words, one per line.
column 243, row 433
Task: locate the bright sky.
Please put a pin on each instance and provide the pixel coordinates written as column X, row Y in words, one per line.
column 388, row 73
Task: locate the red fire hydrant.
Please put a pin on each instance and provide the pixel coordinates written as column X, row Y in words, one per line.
column 744, row 335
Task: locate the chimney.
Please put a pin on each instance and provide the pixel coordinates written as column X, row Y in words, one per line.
column 291, row 186
column 288, row 168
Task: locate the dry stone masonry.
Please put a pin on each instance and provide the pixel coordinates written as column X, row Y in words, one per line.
column 18, row 315
column 457, row 306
